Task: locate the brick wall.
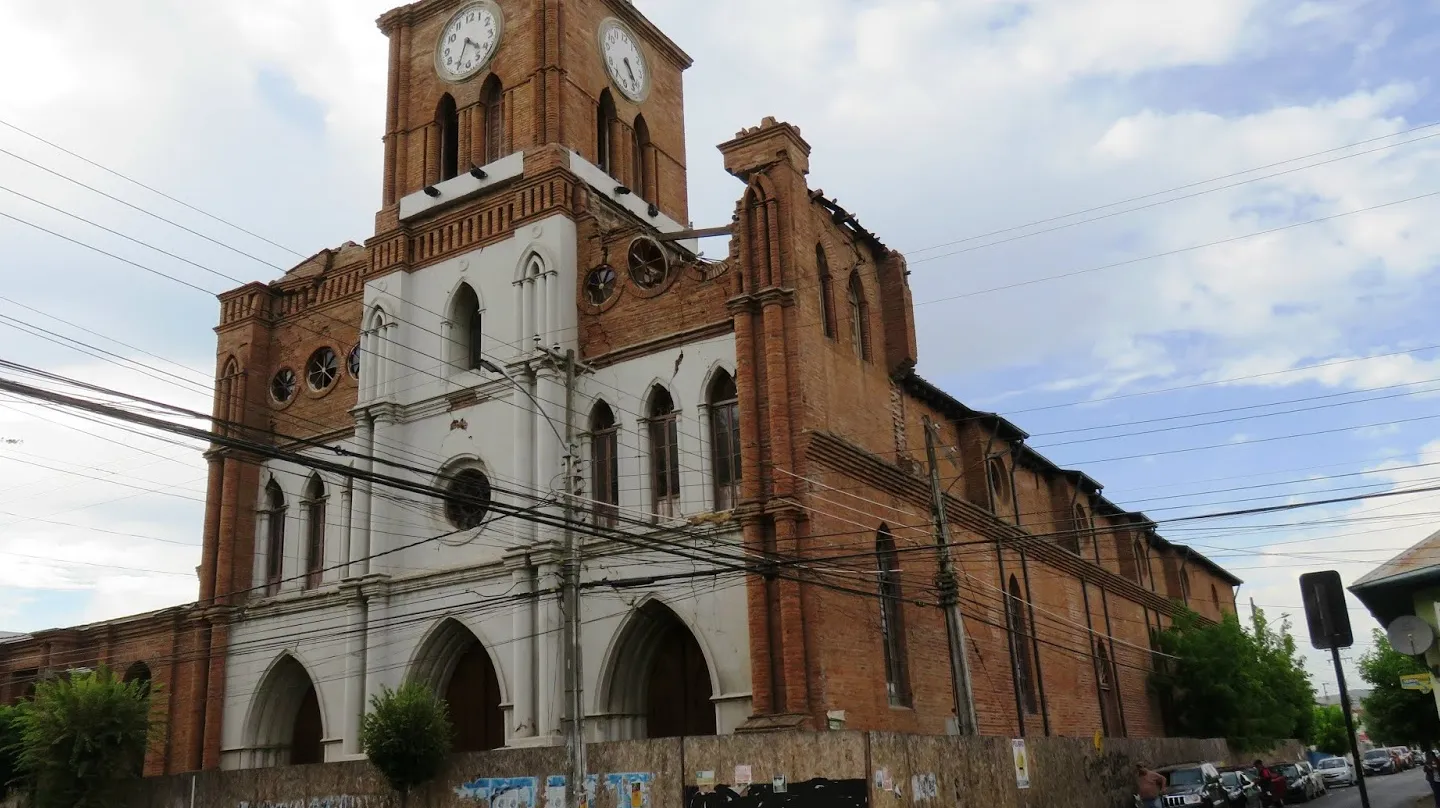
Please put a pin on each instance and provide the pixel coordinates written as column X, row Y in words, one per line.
column 163, row 643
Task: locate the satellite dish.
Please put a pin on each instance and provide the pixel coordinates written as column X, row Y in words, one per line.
column 1410, row 635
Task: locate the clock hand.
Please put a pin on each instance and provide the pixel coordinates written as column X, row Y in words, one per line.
column 629, row 69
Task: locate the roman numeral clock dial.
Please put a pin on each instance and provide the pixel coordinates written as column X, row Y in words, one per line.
column 624, row 60
column 469, row 40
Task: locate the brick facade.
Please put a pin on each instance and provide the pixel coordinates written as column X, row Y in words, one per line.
column 832, row 421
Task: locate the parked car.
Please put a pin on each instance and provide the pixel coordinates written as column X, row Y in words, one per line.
column 1240, row 790
column 1192, row 784
column 1404, row 761
column 1336, row 771
column 1378, row 761
column 1300, row 783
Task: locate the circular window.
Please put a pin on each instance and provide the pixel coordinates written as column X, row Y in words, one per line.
column 649, row 266
column 282, row 387
column 467, row 499
column 352, row 362
column 322, row 369
column 600, row 284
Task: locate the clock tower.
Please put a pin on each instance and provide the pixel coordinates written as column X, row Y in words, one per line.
column 474, row 82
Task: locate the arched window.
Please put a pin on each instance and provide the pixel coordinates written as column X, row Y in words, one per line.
column 859, row 318
column 1184, row 586
column 275, row 537
column 827, row 299
column 492, row 101
column 1142, row 562
column 605, row 133
column 725, row 440
column 605, row 463
column 995, row 475
column 1215, row 597
column 447, row 124
column 1073, row 541
column 1020, row 660
column 314, row 532
column 892, row 618
column 640, row 154
column 466, row 322
column 664, row 453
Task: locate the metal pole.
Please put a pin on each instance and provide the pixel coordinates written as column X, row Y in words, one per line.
column 575, row 739
column 1350, row 726
column 949, row 590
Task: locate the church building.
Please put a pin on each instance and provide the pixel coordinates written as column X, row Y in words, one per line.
column 530, row 354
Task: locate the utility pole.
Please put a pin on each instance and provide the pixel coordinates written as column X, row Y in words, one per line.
column 949, row 589
column 575, row 738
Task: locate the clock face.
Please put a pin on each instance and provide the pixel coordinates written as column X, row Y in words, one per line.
column 624, row 60
column 469, row 40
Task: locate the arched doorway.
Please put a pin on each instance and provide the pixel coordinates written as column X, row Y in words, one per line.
column 457, row 666
column 138, row 674
column 659, row 683
column 286, row 726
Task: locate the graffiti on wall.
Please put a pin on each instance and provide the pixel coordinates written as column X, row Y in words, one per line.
column 556, row 795
column 631, row 789
column 817, row 793
column 334, row 801
column 500, row 792
column 1111, row 773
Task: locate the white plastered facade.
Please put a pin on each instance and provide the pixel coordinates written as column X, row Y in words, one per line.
column 389, row 585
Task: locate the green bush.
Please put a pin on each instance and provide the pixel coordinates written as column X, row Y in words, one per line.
column 9, row 748
column 407, row 735
column 81, row 738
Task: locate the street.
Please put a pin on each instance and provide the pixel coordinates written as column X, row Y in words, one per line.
column 1389, row 791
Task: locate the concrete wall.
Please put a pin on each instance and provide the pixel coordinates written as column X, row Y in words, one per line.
column 888, row 769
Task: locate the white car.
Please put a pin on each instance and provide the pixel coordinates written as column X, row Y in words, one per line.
column 1336, row 771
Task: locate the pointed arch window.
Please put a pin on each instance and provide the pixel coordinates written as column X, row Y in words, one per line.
column 605, row 119
column 1215, row 597
column 859, row 318
column 827, row 295
column 274, row 537
column 1142, row 563
column 467, row 321
column 447, row 124
column 892, row 618
column 640, row 159
column 492, row 102
column 724, row 401
column 605, row 464
column 1184, row 586
column 664, row 428
column 1019, row 632
column 315, row 499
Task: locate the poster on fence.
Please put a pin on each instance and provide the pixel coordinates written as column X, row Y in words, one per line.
column 1022, row 763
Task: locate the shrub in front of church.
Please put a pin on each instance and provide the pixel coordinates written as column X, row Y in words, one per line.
column 407, row 735
column 82, row 736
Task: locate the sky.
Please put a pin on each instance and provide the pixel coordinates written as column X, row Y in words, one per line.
column 1252, row 327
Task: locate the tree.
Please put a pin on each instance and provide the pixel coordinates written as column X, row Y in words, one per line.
column 1394, row 716
column 1329, row 733
column 407, row 735
column 9, row 748
column 80, row 736
column 1221, row 680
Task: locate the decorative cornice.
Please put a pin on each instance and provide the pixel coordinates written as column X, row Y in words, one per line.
column 843, row 456
column 707, row 331
column 775, row 295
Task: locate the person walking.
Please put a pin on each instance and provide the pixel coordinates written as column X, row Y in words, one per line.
column 1148, row 786
column 1432, row 775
